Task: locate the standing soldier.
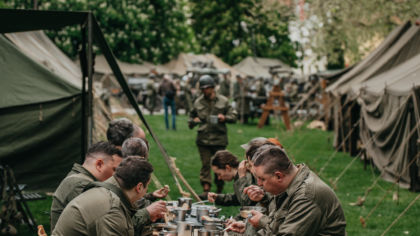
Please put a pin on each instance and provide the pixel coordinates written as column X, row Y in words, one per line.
column 211, row 111
column 240, row 91
column 224, row 88
column 151, row 89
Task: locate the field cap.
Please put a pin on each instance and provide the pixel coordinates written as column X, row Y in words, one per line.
column 254, row 141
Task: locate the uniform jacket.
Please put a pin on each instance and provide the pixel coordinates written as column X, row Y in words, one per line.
column 212, row 134
column 71, row 187
column 238, row 198
column 307, row 207
column 98, row 211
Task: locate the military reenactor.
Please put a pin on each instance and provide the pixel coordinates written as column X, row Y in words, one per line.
column 100, row 161
column 211, row 112
column 152, row 93
column 242, row 100
column 106, row 208
column 302, row 203
column 121, row 129
column 224, row 85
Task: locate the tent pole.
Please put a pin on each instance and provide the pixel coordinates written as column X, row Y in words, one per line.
column 90, row 79
column 82, row 57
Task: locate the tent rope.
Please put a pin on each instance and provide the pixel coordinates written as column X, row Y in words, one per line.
column 338, row 148
column 401, row 215
column 389, row 189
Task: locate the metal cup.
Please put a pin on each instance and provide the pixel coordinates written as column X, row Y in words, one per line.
column 214, row 119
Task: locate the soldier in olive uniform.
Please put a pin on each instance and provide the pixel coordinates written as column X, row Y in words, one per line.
column 211, row 112
column 224, row 86
column 225, row 165
column 100, row 161
column 242, row 99
column 106, row 208
column 302, row 204
column 152, row 93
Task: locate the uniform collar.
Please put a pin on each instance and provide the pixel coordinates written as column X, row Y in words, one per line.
column 123, row 197
column 301, row 175
column 80, row 169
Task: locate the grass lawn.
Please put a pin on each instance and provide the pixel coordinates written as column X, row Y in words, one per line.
column 312, row 147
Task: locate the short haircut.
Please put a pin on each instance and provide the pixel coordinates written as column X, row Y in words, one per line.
column 102, row 148
column 223, row 158
column 133, row 170
column 252, row 149
column 273, row 158
column 119, row 130
column 135, row 147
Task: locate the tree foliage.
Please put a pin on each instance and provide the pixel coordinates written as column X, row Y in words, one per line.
column 235, row 29
column 151, row 30
column 355, row 27
column 158, row 30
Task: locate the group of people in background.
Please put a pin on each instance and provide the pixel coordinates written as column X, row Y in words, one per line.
column 246, row 94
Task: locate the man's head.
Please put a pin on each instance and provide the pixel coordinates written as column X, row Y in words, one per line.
column 273, row 169
column 133, row 174
column 207, row 84
column 121, row 129
column 224, row 164
column 135, row 147
column 102, row 159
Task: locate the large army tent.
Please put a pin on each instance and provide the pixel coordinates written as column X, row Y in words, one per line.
column 376, row 102
column 186, row 61
column 46, row 98
column 39, row 112
column 259, row 67
column 390, row 111
column 102, row 67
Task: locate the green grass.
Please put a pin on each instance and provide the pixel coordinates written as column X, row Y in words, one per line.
column 312, row 147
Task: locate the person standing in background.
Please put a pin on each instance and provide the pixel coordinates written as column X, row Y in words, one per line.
column 168, row 91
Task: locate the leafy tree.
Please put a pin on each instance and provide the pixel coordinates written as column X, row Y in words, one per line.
column 151, row 30
column 354, row 28
column 235, row 29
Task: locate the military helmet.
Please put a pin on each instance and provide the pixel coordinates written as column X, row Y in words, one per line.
column 206, row 81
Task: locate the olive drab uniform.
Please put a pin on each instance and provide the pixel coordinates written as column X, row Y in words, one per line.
column 242, row 100
column 238, row 198
column 152, row 96
column 307, row 207
column 71, row 187
column 224, row 88
column 102, row 210
column 211, row 137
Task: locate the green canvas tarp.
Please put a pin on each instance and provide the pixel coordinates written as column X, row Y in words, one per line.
column 390, row 113
column 377, row 103
column 40, row 120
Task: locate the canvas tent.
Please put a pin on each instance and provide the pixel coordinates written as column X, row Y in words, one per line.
column 259, row 67
column 39, row 110
column 102, row 67
column 31, row 20
column 380, row 94
column 390, row 110
column 185, row 61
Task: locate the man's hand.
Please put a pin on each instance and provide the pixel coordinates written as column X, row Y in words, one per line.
column 196, row 120
column 156, row 210
column 161, row 193
column 221, row 117
column 254, row 193
column 211, row 197
column 237, row 226
column 242, row 169
column 255, row 219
